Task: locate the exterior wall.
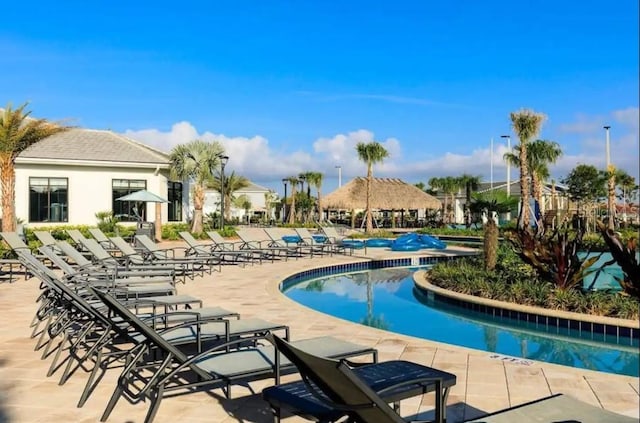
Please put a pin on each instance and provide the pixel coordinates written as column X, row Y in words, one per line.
column 212, row 203
column 90, row 189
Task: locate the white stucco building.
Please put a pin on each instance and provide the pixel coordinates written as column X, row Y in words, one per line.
column 69, row 177
column 257, row 196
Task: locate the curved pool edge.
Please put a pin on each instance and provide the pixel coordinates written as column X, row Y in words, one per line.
column 421, row 282
column 273, row 288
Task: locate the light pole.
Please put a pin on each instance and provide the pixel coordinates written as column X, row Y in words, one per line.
column 223, row 163
column 284, row 202
column 611, row 182
column 339, row 176
column 508, row 137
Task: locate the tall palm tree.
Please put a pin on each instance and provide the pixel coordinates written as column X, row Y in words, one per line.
column 627, row 184
column 540, row 153
column 18, row 131
column 269, row 203
column 195, row 161
column 526, row 124
column 470, row 184
column 293, row 181
column 315, row 179
column 232, row 184
column 370, row 153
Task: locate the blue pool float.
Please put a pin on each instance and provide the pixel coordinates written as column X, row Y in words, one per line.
column 405, row 247
column 353, row 243
column 428, row 241
column 378, row 242
column 291, row 239
column 321, row 239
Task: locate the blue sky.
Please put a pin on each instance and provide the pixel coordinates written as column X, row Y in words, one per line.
column 292, row 86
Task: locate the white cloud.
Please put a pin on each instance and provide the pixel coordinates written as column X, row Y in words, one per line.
column 257, row 159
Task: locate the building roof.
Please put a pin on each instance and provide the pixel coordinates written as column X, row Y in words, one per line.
column 92, row 145
column 386, row 194
column 254, row 188
column 515, row 187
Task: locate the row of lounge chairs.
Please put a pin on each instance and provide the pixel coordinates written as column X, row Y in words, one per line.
column 92, row 315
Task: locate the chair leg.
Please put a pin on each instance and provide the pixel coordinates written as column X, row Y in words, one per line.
column 155, row 404
column 52, row 367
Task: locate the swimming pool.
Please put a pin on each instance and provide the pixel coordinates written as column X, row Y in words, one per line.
column 386, row 299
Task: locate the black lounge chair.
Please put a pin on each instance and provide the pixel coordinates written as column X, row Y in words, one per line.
column 215, row 368
column 331, row 390
column 206, row 251
column 334, row 389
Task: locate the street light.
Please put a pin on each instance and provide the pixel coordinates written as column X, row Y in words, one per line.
column 508, row 137
column 223, row 163
column 339, row 175
column 284, row 203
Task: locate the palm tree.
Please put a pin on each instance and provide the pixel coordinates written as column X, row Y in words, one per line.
column 449, row 186
column 526, row 124
column 627, row 184
column 232, row 184
column 269, row 203
column 470, row 183
column 540, row 154
column 315, row 179
column 243, row 202
column 370, row 153
column 293, row 181
column 195, row 161
column 18, row 132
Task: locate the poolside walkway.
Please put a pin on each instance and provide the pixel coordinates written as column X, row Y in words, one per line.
column 484, row 384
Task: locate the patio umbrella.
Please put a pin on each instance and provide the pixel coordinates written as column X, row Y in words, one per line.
column 144, row 196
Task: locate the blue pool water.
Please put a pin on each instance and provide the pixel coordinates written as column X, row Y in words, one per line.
column 387, row 299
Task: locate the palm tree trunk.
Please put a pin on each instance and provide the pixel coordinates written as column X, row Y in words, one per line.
column 292, row 210
column 445, row 209
column 368, row 211
column 611, row 191
column 198, row 201
column 524, row 217
column 536, row 186
column 320, row 211
column 8, row 175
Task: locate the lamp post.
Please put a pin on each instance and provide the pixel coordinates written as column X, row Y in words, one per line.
column 339, row 175
column 508, row 137
column 223, row 163
column 284, row 202
column 611, row 182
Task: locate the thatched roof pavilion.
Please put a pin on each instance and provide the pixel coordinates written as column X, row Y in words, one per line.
column 386, row 194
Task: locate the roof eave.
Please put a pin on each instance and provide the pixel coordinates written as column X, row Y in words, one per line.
column 90, row 163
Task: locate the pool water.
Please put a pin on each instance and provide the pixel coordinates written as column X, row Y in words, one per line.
column 386, row 299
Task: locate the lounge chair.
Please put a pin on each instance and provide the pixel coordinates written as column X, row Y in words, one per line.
column 340, row 242
column 163, row 255
column 77, row 237
column 102, row 239
column 214, row 368
column 331, row 386
column 279, row 237
column 257, row 240
column 210, row 250
column 221, row 244
column 46, row 239
column 16, row 243
column 309, row 240
column 333, row 389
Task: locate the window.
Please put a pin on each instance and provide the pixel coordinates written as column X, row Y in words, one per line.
column 128, row 211
column 175, row 201
column 48, row 199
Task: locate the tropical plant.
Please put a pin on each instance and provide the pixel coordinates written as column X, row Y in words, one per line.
column 269, row 203
column 420, row 185
column 314, row 179
column 470, row 183
column 495, row 200
column 584, row 185
column 449, row 186
column 243, row 202
column 232, row 184
column 555, row 256
column 526, row 124
column 18, row 131
column 107, row 222
column 627, row 185
column 626, row 257
column 370, row 153
column 540, row 153
column 195, row 161
column 294, row 181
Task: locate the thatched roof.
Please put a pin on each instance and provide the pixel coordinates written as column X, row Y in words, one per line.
column 386, row 194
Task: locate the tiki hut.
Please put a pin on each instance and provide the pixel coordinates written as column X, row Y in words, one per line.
column 386, row 194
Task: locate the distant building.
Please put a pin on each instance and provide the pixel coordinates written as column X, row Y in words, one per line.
column 257, row 197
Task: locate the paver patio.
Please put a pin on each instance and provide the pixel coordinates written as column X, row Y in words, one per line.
column 483, row 384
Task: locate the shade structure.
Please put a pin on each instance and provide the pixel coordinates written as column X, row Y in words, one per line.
column 142, row 196
column 386, row 194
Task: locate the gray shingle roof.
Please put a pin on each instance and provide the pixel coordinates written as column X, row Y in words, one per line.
column 94, row 145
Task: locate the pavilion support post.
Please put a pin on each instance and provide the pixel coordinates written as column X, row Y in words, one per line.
column 158, row 222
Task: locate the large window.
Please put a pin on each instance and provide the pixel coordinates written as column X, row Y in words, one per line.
column 48, row 199
column 128, row 211
column 175, row 201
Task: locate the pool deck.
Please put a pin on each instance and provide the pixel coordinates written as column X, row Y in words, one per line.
column 484, row 384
